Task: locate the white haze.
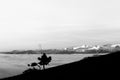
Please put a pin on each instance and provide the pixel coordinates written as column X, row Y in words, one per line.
column 58, row 23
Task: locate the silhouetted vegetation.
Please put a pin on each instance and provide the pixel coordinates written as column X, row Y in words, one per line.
column 44, row 60
column 36, row 66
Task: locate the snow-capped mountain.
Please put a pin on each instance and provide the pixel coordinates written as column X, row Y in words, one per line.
column 84, row 48
column 115, row 45
column 96, row 47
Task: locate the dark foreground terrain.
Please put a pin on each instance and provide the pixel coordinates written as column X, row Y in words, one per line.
column 97, row 65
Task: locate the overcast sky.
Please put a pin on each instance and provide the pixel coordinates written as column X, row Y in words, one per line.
column 24, row 24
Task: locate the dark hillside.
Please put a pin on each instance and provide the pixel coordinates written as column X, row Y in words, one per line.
column 89, row 66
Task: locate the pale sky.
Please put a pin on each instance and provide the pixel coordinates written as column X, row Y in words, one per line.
column 24, row 24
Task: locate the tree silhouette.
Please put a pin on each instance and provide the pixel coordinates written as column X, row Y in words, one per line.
column 33, row 65
column 44, row 60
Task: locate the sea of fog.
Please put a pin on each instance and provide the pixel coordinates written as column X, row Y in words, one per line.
column 14, row 64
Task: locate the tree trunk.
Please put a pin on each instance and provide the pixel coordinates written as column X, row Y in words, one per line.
column 43, row 67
